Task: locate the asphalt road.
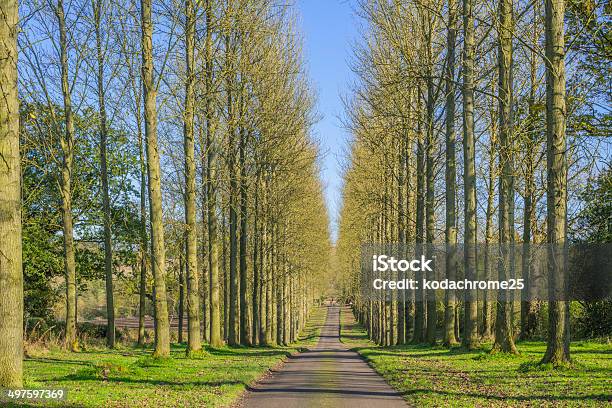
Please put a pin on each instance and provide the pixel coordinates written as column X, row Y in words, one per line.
column 328, row 375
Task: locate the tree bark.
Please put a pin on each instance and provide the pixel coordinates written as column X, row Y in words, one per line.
column 432, row 312
column 558, row 344
column 67, row 144
column 234, row 301
column 181, row 305
column 11, row 273
column 401, row 232
column 191, row 234
column 211, row 189
column 504, row 340
column 529, row 307
column 144, row 246
column 470, row 337
column 245, row 329
column 256, row 299
column 108, row 244
column 162, row 327
column 267, row 270
column 487, row 307
column 450, row 176
column 419, row 323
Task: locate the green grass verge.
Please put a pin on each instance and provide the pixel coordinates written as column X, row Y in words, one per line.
column 129, row 377
column 436, row 376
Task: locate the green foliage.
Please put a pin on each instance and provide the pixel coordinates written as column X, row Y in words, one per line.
column 42, row 232
column 595, row 319
column 595, row 219
column 42, row 262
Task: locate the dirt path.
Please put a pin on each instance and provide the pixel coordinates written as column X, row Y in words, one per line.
column 329, row 375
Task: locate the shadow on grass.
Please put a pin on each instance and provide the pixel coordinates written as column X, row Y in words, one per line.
column 55, row 361
column 63, row 404
column 578, row 351
column 352, row 332
column 523, row 398
column 127, row 380
column 247, row 352
column 431, row 351
column 310, row 337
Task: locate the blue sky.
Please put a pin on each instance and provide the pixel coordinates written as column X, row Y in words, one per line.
column 329, row 28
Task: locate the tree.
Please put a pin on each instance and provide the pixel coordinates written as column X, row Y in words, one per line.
column 67, row 144
column 191, row 259
column 470, row 337
column 504, row 340
column 487, row 304
column 162, row 327
column 231, row 84
column 211, row 188
column 245, row 330
column 450, row 176
column 11, row 275
column 430, row 22
column 108, row 244
column 529, row 307
column 130, row 51
column 558, row 347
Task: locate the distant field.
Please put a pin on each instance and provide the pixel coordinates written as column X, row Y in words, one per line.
column 436, row 376
column 129, row 377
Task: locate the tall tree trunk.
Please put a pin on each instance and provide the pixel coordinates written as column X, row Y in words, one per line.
column 67, row 143
column 419, row 324
column 558, row 345
column 256, row 299
column 191, row 233
column 211, row 189
column 226, row 278
column 286, row 300
column 144, row 246
column 181, row 305
column 487, row 307
column 278, row 282
column 234, row 305
column 108, row 244
column 503, row 324
column 267, row 263
column 529, row 307
column 245, row 329
column 432, row 312
column 203, row 254
column 401, row 233
column 470, row 337
column 11, row 275
column 450, row 176
column 410, row 222
column 162, row 327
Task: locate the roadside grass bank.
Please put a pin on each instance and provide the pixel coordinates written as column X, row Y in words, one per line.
column 435, row 376
column 130, row 377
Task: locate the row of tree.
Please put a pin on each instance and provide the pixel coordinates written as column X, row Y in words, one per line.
column 499, row 69
column 136, row 120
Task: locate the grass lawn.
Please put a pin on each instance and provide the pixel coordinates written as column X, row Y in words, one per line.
column 129, row 377
column 436, row 376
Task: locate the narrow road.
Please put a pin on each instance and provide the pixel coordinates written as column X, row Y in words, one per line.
column 329, row 375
